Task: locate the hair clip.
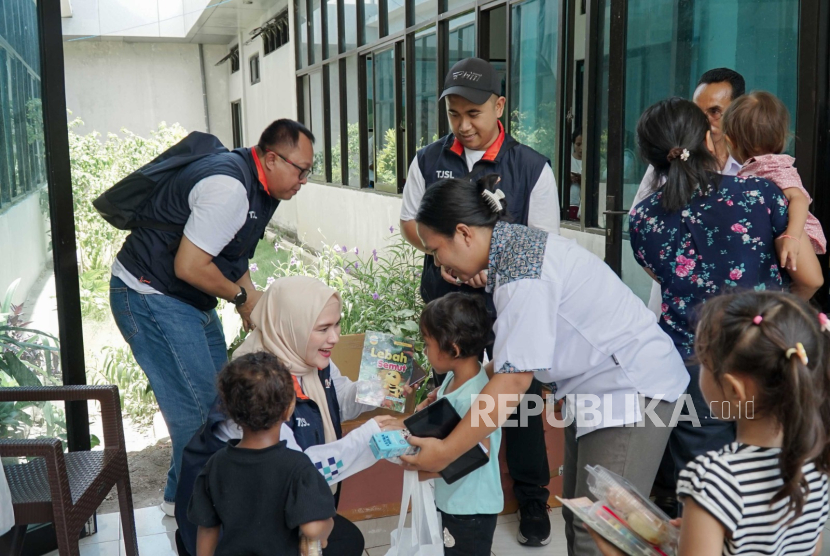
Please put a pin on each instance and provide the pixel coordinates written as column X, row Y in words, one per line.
column 824, row 322
column 800, row 351
column 757, row 320
column 685, row 155
column 493, row 199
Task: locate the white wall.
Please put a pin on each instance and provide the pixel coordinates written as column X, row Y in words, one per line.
column 341, row 215
column 24, row 247
column 275, row 96
column 112, row 85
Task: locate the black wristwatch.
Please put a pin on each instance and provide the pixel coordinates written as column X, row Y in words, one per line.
column 240, row 298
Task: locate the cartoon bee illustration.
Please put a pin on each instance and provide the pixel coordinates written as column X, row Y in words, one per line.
column 392, row 383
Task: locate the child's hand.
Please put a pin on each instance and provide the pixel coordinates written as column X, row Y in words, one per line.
column 431, row 397
column 388, row 423
column 787, row 247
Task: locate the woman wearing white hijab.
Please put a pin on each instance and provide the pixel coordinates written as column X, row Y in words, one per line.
column 298, row 320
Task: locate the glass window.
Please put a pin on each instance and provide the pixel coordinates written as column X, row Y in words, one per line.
column 426, row 87
column 331, row 21
column 396, row 16
column 27, row 281
column 425, row 10
column 253, row 64
column 334, row 123
column 353, row 119
column 350, row 24
column 318, row 124
column 371, row 21
column 306, row 102
column 301, row 10
column 670, row 45
column 533, row 79
column 462, row 39
column 385, row 136
column 450, row 5
column 316, row 32
column 370, row 118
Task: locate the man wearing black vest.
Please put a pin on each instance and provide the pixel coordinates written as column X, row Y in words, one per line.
column 165, row 285
column 478, row 146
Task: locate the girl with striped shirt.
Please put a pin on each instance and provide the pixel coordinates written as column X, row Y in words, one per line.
column 764, row 363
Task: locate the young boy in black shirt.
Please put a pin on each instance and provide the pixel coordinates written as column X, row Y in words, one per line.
column 258, row 492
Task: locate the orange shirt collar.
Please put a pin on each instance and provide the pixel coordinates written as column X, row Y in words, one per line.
column 261, row 171
column 298, row 390
column 490, row 154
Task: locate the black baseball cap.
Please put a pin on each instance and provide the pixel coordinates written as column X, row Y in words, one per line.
column 474, row 79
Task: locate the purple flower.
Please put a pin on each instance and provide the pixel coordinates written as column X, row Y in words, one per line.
column 345, row 250
column 277, row 247
column 348, row 270
column 254, row 267
column 336, row 248
column 356, row 251
column 270, row 280
column 375, row 296
column 391, row 229
column 375, row 254
column 357, row 265
column 256, row 286
column 293, row 261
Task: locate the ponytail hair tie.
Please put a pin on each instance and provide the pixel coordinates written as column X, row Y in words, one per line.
column 824, row 322
column 757, row 320
column 493, row 199
column 677, row 152
column 800, row 352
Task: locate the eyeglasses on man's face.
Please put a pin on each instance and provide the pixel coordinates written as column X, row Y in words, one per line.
column 304, row 172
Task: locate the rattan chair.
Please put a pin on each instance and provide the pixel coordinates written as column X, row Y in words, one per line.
column 66, row 489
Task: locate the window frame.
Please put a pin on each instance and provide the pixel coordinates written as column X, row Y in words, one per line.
column 253, row 62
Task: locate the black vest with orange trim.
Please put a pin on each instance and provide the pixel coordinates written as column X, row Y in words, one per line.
column 148, row 254
column 519, row 167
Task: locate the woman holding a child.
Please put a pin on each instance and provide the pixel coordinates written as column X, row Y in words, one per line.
column 298, row 320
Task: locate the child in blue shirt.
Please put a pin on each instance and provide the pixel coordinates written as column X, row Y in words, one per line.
column 456, row 329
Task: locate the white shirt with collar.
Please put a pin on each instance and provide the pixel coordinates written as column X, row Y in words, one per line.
column 566, row 317
column 655, row 298
column 543, row 211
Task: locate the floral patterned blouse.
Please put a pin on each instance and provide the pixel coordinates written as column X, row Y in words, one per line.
column 717, row 242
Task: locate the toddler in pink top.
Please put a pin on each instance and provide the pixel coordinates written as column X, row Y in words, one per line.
column 756, row 127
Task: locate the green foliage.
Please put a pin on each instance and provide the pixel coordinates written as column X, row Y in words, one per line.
column 27, row 358
column 387, row 160
column 137, row 398
column 536, row 128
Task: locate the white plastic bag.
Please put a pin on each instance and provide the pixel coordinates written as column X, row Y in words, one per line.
column 425, row 537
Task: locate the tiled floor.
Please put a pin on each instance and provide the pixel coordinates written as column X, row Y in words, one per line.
column 155, row 536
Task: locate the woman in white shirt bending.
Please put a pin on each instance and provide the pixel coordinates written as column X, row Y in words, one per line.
column 567, row 319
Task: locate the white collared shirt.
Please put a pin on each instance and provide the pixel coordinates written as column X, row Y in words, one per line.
column 655, row 298
column 565, row 316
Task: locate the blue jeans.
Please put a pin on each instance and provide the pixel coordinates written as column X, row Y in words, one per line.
column 181, row 350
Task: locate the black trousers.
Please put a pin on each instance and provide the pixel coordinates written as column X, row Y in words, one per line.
column 527, row 456
column 472, row 535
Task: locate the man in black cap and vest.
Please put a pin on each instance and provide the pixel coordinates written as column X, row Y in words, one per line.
column 478, row 146
column 163, row 299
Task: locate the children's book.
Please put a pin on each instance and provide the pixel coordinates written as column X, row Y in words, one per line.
column 385, row 368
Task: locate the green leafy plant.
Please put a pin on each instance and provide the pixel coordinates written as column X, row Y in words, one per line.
column 137, row 398
column 28, row 357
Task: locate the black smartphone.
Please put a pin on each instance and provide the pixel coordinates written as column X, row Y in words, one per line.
column 437, row 421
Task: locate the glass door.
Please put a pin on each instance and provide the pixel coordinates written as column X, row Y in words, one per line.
column 660, row 48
